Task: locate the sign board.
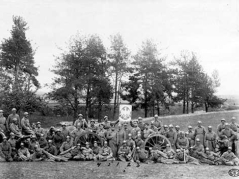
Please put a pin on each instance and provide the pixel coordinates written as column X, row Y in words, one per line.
column 125, row 112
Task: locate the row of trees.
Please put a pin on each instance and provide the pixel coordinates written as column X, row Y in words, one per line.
column 88, row 74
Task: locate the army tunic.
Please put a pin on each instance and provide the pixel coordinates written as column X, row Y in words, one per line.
column 65, row 146
column 24, row 154
column 210, row 140
column 10, row 120
column 105, row 153
column 135, row 131
column 112, row 136
column 15, row 129
column 124, row 152
column 172, row 137
column 39, row 131
column 3, row 124
column 229, row 158
column 182, row 142
column 148, row 132
column 199, row 133
column 220, row 127
column 234, row 126
column 191, row 138
column 51, row 149
column 65, row 133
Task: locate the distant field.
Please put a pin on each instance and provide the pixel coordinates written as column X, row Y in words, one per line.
column 211, row 118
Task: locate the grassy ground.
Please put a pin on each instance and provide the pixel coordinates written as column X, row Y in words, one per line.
column 208, row 119
column 211, row 118
column 88, row 170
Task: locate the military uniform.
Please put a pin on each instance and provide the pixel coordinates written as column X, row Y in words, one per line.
column 147, row 132
column 5, row 151
column 210, row 140
column 191, row 138
column 24, row 154
column 199, row 133
column 112, row 137
column 182, row 143
column 26, row 127
column 51, row 149
column 124, row 153
column 105, row 153
column 15, row 129
column 229, row 158
column 87, row 153
column 172, row 137
column 10, row 120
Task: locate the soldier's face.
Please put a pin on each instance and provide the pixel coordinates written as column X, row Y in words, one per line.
column 87, row 146
column 105, row 144
column 68, row 139
column 95, row 144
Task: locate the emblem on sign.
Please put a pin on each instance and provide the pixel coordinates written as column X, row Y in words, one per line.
column 233, row 172
column 125, row 112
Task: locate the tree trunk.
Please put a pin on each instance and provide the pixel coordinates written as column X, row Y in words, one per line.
column 87, row 101
column 184, row 102
column 192, row 107
column 75, row 105
column 158, row 108
column 115, row 97
column 99, row 110
column 153, row 108
column 206, row 106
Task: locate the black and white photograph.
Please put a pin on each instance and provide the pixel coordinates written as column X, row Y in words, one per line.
column 119, row 89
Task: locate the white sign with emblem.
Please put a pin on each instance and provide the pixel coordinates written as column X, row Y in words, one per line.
column 125, row 112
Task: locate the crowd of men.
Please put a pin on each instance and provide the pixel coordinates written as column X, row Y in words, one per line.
column 22, row 141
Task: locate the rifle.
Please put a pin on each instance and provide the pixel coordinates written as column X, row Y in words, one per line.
column 184, row 155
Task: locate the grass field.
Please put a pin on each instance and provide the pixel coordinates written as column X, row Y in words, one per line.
column 211, row 118
column 208, row 119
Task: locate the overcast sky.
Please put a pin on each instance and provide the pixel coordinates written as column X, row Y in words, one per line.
column 208, row 28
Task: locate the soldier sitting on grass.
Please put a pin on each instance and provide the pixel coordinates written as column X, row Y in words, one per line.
column 124, row 152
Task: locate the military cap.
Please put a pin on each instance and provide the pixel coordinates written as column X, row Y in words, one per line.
column 156, row 115
column 13, row 109
column 12, row 134
column 229, row 148
column 171, row 125
column 78, row 144
column 207, row 148
column 87, row 143
column 124, row 142
column 140, row 118
column 177, row 126
column 4, row 137
column 1, row 111
column 50, row 141
column 137, row 148
column 168, row 145
column 199, row 122
column 14, row 119
column 21, row 143
column 40, row 123
column 25, row 113
column 223, row 119
column 210, row 127
column 198, row 140
column 63, row 124
column 227, row 124
column 58, row 130
column 190, row 127
column 95, row 141
column 233, row 118
column 80, row 115
column 165, row 126
column 178, row 150
column 33, row 136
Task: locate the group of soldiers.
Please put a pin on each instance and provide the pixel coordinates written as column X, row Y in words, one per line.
column 22, row 141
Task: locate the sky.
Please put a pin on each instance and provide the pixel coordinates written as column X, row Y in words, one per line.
column 209, row 28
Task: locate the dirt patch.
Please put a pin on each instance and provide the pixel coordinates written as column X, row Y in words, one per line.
column 108, row 170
